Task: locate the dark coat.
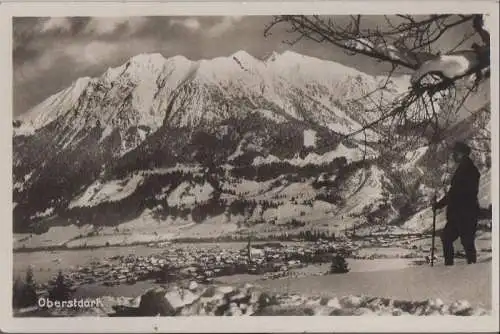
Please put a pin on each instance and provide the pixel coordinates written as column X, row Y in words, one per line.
column 461, row 200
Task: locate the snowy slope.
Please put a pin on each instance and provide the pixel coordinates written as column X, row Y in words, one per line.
column 111, row 191
column 52, row 108
column 364, row 190
column 351, row 155
column 190, row 194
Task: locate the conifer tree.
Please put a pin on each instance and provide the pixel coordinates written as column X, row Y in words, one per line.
column 339, row 265
column 61, row 290
column 24, row 293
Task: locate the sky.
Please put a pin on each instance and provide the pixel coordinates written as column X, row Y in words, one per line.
column 49, row 53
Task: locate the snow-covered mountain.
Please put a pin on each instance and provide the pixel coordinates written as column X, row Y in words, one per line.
column 232, row 139
column 150, row 90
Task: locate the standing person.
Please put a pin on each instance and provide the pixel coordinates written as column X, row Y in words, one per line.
column 462, row 206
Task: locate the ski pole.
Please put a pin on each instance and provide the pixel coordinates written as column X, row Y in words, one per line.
column 433, row 228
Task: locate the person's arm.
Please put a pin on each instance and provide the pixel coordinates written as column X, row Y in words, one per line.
column 441, row 203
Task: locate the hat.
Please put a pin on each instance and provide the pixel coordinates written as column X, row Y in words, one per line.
column 461, row 147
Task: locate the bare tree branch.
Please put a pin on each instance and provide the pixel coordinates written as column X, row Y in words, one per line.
column 408, row 42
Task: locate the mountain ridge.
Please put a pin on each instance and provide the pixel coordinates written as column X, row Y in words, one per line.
column 158, row 63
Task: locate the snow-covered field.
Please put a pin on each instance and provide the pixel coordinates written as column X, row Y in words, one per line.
column 111, row 191
column 351, row 155
column 56, row 235
column 187, row 194
column 391, row 285
column 417, row 291
column 416, row 283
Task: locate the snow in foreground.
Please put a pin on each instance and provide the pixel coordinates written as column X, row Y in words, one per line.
column 192, row 299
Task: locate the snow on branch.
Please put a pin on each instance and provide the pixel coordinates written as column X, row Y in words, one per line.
column 404, row 40
column 451, row 66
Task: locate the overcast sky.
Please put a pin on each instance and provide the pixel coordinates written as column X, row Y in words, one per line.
column 50, row 53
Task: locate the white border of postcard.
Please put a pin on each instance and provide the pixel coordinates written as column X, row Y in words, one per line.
column 230, row 324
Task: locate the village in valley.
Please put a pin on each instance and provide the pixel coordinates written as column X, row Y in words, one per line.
column 174, row 262
column 196, row 265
